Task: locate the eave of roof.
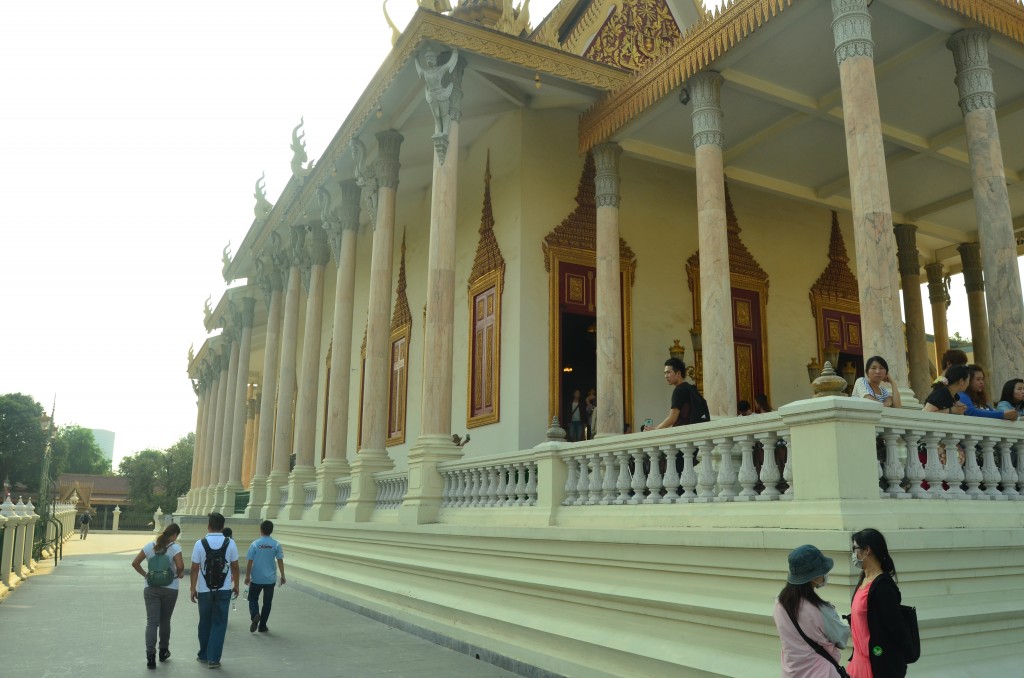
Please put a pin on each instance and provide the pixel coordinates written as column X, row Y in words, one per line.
column 704, row 42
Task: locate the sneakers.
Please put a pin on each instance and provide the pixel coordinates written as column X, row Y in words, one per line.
column 165, row 655
column 255, row 623
column 150, row 661
column 201, row 660
column 263, row 630
column 214, row 665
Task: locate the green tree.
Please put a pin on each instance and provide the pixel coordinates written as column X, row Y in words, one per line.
column 158, row 477
column 75, row 451
column 22, row 441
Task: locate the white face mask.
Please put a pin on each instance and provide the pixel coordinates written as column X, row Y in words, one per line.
column 824, row 580
column 857, row 562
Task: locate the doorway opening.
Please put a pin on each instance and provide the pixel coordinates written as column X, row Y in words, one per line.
column 578, row 360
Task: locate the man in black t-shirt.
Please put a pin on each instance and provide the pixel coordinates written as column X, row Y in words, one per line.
column 679, row 409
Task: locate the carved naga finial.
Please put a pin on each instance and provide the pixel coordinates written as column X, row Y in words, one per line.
column 226, row 261
column 191, row 353
column 207, row 310
column 263, row 206
column 395, row 33
column 514, row 21
column 299, row 151
column 435, row 5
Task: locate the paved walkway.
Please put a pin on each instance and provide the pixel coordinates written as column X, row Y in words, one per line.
column 86, row 618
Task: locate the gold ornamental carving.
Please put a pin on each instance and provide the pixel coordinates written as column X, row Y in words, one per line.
column 836, row 287
column 401, row 316
column 634, row 35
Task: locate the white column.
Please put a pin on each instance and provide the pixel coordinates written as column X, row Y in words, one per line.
column 974, row 282
column 938, row 297
column 243, row 318
column 715, row 289
column 875, row 244
column 211, row 464
column 286, row 375
column 269, row 279
column 991, row 202
column 913, row 306
column 610, row 414
column 342, row 236
column 223, row 463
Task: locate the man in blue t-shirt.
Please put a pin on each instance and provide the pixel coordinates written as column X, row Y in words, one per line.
column 260, row 575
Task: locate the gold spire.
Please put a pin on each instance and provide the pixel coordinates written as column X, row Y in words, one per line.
column 488, row 254
column 401, row 316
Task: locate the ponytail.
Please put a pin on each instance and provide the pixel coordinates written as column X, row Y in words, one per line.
column 160, row 545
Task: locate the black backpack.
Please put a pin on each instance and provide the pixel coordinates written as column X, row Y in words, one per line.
column 699, row 412
column 85, row 519
column 215, row 569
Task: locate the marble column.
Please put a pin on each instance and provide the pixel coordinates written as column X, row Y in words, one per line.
column 286, row 380
column 715, row 290
column 974, row 281
column 991, row 204
column 875, row 243
column 222, row 466
column 233, row 483
column 205, row 398
column 913, row 307
column 610, row 413
column 309, row 383
column 373, row 455
column 270, row 282
column 938, row 296
column 434, row 443
column 342, row 235
column 211, row 464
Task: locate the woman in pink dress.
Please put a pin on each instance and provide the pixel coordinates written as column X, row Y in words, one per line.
column 880, row 638
column 810, row 629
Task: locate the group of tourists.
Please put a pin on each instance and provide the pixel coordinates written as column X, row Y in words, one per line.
column 581, row 415
column 883, row 632
column 213, row 585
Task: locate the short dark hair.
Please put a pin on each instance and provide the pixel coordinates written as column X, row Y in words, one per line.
column 876, row 359
column 677, row 365
column 266, row 527
column 742, row 406
column 215, row 521
column 953, row 356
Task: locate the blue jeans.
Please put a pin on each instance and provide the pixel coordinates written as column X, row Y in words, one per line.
column 213, row 623
column 254, row 602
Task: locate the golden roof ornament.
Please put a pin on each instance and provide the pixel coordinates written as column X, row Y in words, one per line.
column 516, row 21
column 837, row 281
column 402, row 316
column 488, row 254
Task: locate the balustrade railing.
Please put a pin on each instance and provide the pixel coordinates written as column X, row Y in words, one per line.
column 344, row 486
column 309, row 490
column 494, row 482
column 914, row 459
column 391, row 489
column 282, row 494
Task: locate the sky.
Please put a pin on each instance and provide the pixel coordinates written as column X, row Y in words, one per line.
column 131, row 136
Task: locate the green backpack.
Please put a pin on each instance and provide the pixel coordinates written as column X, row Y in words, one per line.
column 159, row 566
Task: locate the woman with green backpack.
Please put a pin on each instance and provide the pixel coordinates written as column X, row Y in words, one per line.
column 164, row 567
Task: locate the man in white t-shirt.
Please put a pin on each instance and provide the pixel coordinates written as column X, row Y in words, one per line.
column 213, row 605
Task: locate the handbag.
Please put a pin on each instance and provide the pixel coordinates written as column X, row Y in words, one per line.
column 820, row 650
column 912, row 652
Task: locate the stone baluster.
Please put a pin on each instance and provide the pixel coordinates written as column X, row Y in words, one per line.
column 571, row 481
column 531, row 483
column 502, row 488
column 608, row 478
column 989, row 471
column 770, row 472
column 638, row 483
column 583, row 483
column 622, row 482
column 747, row 475
column 705, row 473
column 1019, row 449
column 521, row 497
column 893, row 469
column 726, row 470
column 787, row 471
column 594, row 489
column 1007, row 474
column 954, row 472
column 688, row 476
column 934, row 471
column 915, row 471
column 654, row 476
column 492, row 486
column 671, row 478
column 971, row 471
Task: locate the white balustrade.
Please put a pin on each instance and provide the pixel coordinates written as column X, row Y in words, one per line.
column 310, row 493
column 344, row 486
column 391, row 489
column 499, row 484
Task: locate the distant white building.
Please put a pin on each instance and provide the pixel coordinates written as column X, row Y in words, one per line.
column 105, row 441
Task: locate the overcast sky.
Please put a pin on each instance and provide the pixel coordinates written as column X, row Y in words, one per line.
column 131, row 135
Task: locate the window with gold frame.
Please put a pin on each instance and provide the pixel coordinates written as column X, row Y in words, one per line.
column 483, row 390
column 398, row 385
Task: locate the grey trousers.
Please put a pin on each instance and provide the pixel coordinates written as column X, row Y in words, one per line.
column 160, row 603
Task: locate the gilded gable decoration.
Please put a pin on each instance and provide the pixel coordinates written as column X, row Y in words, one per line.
column 634, row 34
column 998, row 15
column 837, row 285
column 401, row 316
column 488, row 255
column 578, row 231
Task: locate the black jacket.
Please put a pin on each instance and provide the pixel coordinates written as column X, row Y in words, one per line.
column 888, row 641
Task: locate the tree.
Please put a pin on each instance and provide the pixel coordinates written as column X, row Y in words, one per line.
column 158, row 477
column 22, row 441
column 75, row 451
column 956, row 341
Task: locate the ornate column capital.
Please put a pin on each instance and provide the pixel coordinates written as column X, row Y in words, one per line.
column 973, row 74
column 970, row 255
column 366, row 177
column 938, row 288
column 248, row 311
column 906, row 249
column 389, row 142
column 851, row 29
column 348, row 216
column 268, row 275
column 606, row 177
column 225, row 355
column 316, row 245
column 705, row 93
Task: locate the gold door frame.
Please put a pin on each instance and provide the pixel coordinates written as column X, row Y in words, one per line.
column 555, row 255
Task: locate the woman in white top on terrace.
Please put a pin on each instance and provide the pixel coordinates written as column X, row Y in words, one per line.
column 161, row 592
column 874, row 385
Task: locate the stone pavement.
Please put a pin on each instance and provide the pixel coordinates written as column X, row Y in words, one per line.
column 85, row 617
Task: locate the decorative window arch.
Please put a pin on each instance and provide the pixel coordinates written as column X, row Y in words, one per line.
column 485, row 286
column 398, row 381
